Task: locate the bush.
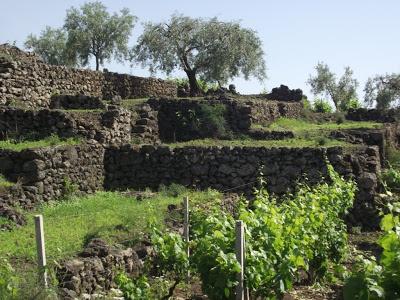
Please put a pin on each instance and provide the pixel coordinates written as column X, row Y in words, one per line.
column 391, row 178
column 373, row 280
column 212, row 119
column 322, row 106
column 352, row 104
column 183, row 83
column 304, row 232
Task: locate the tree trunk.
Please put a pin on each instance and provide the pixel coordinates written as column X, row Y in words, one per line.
column 194, row 86
column 97, row 63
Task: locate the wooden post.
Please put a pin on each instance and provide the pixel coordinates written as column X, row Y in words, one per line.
column 186, row 221
column 41, row 251
column 239, row 247
column 186, row 232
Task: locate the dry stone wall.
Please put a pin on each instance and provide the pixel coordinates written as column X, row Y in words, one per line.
column 95, row 269
column 25, row 80
column 376, row 115
column 111, row 126
column 237, row 169
column 128, row 86
column 175, row 116
column 264, row 112
column 45, row 174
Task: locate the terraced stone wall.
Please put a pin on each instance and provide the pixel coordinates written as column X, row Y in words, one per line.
column 111, row 126
column 25, row 80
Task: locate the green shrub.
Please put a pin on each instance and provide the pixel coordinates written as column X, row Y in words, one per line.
column 306, row 104
column 138, row 289
column 172, row 190
column 373, row 280
column 69, row 188
column 391, row 178
column 305, row 231
column 322, row 106
column 353, row 103
column 203, row 85
column 212, row 121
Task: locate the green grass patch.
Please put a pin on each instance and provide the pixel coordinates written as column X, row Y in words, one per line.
column 300, row 126
column 130, row 103
column 17, row 145
column 290, row 143
column 112, row 216
column 82, row 111
column 4, row 183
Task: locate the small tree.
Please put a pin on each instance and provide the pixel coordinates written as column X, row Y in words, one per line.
column 51, row 46
column 93, row 31
column 214, row 50
column 383, row 89
column 340, row 92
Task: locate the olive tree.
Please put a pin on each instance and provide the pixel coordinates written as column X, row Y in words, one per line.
column 384, row 90
column 50, row 45
column 342, row 92
column 92, row 31
column 210, row 49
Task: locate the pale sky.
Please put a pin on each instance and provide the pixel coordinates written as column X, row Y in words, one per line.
column 362, row 34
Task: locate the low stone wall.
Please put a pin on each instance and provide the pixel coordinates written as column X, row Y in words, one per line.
column 129, row 87
column 176, row 116
column 237, row 169
column 29, row 82
column 95, row 268
column 264, row 112
column 376, row 115
column 111, row 126
column 45, row 174
column 389, row 136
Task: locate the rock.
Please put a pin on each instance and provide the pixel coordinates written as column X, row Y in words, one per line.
column 368, row 181
column 283, row 93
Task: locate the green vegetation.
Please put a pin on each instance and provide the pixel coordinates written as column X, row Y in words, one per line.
column 391, row 178
column 384, row 90
column 88, row 31
column 247, row 142
column 301, row 127
column 393, row 156
column 379, row 280
column 204, row 86
column 342, row 92
column 213, row 50
column 304, row 232
column 53, row 140
column 118, row 218
column 131, row 103
column 4, row 183
column 321, row 106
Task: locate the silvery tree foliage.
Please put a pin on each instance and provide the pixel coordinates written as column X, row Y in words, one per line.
column 212, row 50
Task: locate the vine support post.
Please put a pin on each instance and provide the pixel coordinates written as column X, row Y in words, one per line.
column 186, row 230
column 239, row 249
column 41, row 250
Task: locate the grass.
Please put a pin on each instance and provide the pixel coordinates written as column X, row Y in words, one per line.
column 299, row 126
column 4, row 183
column 81, row 110
column 290, row 143
column 118, row 218
column 112, row 216
column 130, row 103
column 52, row 140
